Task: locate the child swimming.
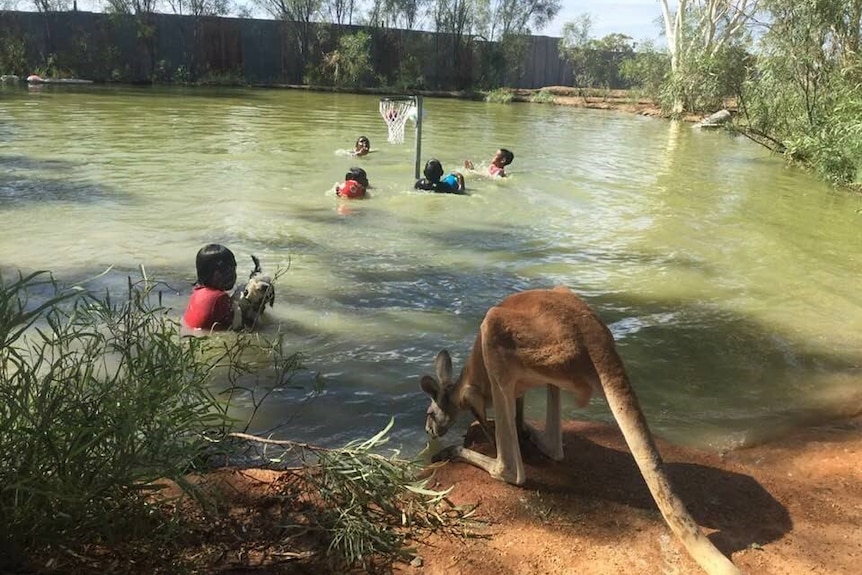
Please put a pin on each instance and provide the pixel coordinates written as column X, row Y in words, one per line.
column 434, row 181
column 354, row 185
column 501, row 159
column 362, row 147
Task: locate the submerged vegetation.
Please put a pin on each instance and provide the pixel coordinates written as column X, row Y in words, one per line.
column 105, row 400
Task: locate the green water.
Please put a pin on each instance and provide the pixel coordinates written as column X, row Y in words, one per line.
column 731, row 282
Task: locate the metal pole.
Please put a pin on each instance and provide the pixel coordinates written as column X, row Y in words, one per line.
column 416, row 171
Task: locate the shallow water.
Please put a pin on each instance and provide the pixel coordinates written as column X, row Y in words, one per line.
column 731, row 282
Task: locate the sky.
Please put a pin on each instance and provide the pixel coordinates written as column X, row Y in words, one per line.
column 635, row 18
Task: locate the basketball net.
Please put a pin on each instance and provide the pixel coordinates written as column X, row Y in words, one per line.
column 396, row 113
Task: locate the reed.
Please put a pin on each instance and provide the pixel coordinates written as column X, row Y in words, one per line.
column 100, row 399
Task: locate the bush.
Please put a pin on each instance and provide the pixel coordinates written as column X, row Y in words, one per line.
column 542, row 97
column 99, row 400
column 500, row 96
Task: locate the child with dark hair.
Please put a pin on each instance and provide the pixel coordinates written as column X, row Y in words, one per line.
column 210, row 306
column 354, row 185
column 434, row 181
column 362, row 147
column 501, row 159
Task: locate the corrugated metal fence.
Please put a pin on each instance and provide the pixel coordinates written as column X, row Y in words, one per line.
column 161, row 47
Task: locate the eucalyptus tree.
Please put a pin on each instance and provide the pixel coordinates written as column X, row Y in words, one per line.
column 200, row 7
column 299, row 16
column 805, row 100
column 131, row 6
column 521, row 17
column 457, row 20
column 510, row 23
column 339, row 11
column 407, row 14
column 52, row 5
column 595, row 62
column 699, row 33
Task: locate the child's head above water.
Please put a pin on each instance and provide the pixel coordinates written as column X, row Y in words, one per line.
column 357, row 175
column 433, row 170
column 503, row 157
column 362, row 146
column 216, row 267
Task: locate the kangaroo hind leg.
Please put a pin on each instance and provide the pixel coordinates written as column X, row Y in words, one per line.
column 550, row 439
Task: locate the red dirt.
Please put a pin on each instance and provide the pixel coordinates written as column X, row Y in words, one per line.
column 793, row 506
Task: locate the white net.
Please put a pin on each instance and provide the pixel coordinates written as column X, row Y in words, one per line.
column 395, row 113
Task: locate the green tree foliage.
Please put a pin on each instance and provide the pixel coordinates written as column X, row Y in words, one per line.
column 457, row 19
column 646, row 70
column 13, row 53
column 350, row 64
column 519, row 17
column 397, row 13
column 703, row 37
column 806, row 97
column 596, row 63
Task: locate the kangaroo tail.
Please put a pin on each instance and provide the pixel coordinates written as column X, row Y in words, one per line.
column 632, row 423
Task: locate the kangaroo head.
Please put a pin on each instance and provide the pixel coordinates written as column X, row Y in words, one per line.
column 444, row 408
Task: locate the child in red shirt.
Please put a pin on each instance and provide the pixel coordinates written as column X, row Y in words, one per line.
column 354, row 186
column 210, row 306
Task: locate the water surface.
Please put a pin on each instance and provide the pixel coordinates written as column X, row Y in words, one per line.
column 731, row 282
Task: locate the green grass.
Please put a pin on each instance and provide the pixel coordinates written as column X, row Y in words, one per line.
column 500, row 96
column 542, row 97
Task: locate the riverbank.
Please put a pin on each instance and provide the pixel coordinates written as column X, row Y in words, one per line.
column 789, row 507
column 792, row 506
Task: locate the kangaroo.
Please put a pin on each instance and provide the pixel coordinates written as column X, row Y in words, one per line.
column 551, row 337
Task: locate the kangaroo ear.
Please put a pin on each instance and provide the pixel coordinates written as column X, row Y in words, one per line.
column 430, row 386
column 443, row 364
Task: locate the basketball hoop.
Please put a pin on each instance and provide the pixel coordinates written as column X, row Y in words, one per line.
column 395, row 112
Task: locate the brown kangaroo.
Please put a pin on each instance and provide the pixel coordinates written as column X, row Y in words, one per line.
column 553, row 338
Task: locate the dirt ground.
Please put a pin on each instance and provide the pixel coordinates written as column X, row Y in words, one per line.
column 793, row 506
column 617, row 100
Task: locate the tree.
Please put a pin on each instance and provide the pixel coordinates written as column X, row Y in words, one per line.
column 200, row 7
column 508, row 17
column 646, row 69
column 131, row 6
column 398, row 13
column 298, row 15
column 595, row 62
column 340, row 11
column 457, row 19
column 350, row 63
column 52, row 5
column 574, row 46
column 698, row 31
column 805, row 99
